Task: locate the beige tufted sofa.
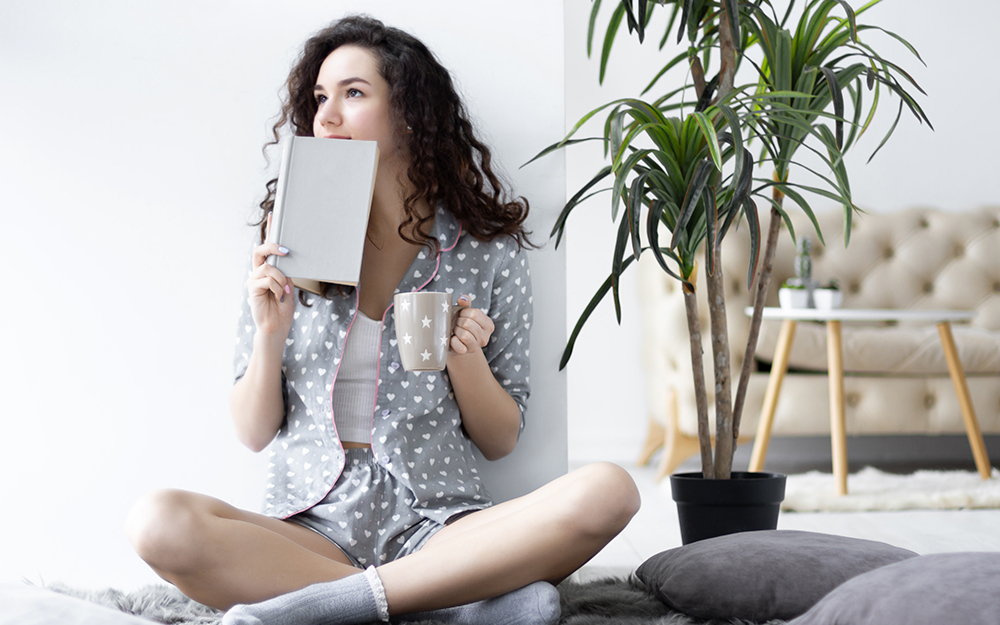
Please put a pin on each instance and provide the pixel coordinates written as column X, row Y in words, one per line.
column 896, row 375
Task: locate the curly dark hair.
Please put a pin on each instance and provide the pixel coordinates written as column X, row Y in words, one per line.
column 449, row 165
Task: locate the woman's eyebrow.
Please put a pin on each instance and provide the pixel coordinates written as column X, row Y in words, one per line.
column 347, row 81
column 344, row 83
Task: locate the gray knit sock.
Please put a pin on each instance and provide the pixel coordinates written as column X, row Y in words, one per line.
column 535, row 604
column 349, row 601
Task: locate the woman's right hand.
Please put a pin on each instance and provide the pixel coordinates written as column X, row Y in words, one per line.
column 272, row 302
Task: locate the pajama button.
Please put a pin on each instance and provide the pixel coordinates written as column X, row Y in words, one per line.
column 393, row 366
column 385, row 413
column 385, row 459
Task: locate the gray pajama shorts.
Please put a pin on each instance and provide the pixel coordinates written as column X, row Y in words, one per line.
column 368, row 514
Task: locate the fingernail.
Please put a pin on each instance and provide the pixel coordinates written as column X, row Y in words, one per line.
column 288, row 289
column 463, row 299
column 282, row 249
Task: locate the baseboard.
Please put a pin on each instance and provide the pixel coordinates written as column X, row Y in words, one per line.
column 896, row 453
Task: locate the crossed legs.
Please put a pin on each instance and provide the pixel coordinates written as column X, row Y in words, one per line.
column 219, row 555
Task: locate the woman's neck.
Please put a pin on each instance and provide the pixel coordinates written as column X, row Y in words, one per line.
column 388, row 207
column 387, row 255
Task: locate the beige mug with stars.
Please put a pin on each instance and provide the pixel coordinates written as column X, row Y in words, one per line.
column 424, row 322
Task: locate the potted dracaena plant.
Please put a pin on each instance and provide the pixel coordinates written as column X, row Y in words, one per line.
column 761, row 85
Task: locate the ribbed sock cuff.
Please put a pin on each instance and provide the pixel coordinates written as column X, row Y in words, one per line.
column 381, row 603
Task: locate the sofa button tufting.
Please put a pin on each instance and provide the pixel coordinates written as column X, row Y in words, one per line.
column 929, row 287
column 854, row 288
column 888, row 253
column 929, row 401
column 853, row 400
column 996, row 287
column 959, row 251
column 924, row 223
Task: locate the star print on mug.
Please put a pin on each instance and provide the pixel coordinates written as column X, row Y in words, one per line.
column 423, row 328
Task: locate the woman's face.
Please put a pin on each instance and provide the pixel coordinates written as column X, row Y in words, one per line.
column 352, row 99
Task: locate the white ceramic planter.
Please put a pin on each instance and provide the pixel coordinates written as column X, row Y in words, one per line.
column 828, row 299
column 793, row 298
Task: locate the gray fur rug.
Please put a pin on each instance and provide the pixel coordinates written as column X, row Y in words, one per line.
column 610, row 601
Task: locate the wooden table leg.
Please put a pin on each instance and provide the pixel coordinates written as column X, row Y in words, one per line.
column 838, row 426
column 778, row 369
column 964, row 400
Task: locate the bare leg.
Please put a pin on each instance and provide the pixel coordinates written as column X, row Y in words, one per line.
column 545, row 535
column 220, row 556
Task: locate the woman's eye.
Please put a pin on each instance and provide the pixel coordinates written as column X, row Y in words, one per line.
column 353, row 93
column 320, row 99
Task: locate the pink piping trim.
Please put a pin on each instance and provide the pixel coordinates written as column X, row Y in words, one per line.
column 333, row 420
column 437, row 260
column 333, row 381
column 455, row 242
column 378, row 377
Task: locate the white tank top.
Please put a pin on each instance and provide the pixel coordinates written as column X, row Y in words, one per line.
column 354, row 393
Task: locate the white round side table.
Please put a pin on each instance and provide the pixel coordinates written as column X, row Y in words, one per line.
column 789, row 317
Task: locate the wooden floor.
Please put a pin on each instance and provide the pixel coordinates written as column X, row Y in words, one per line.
column 655, row 529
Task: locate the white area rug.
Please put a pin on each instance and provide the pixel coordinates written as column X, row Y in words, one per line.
column 871, row 489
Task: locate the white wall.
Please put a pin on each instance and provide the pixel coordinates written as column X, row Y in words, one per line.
column 130, row 162
column 954, row 167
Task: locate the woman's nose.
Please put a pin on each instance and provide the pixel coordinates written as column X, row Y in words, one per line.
column 328, row 114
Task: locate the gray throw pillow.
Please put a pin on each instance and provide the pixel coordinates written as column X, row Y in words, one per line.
column 933, row 589
column 762, row 575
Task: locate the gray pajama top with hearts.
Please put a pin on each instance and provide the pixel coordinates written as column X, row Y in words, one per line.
column 417, row 432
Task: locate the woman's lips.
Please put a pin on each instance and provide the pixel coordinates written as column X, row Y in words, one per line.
column 335, row 137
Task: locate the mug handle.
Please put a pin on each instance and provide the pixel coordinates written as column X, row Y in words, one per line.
column 452, row 315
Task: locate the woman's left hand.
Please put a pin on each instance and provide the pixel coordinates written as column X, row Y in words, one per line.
column 473, row 328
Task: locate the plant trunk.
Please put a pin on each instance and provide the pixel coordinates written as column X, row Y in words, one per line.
column 724, row 426
column 727, row 53
column 720, row 356
column 762, row 281
column 698, row 373
column 697, row 76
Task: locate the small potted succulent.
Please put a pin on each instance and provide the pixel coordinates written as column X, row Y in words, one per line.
column 828, row 296
column 798, row 292
column 803, row 291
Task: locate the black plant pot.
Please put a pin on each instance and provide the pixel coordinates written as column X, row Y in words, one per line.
column 709, row 508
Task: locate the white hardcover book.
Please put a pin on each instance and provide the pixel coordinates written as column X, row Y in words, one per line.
column 321, row 207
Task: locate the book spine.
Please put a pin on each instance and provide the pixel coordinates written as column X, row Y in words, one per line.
column 277, row 214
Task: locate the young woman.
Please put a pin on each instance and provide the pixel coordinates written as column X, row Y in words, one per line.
column 374, row 505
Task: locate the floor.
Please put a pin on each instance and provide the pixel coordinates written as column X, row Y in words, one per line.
column 654, row 528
